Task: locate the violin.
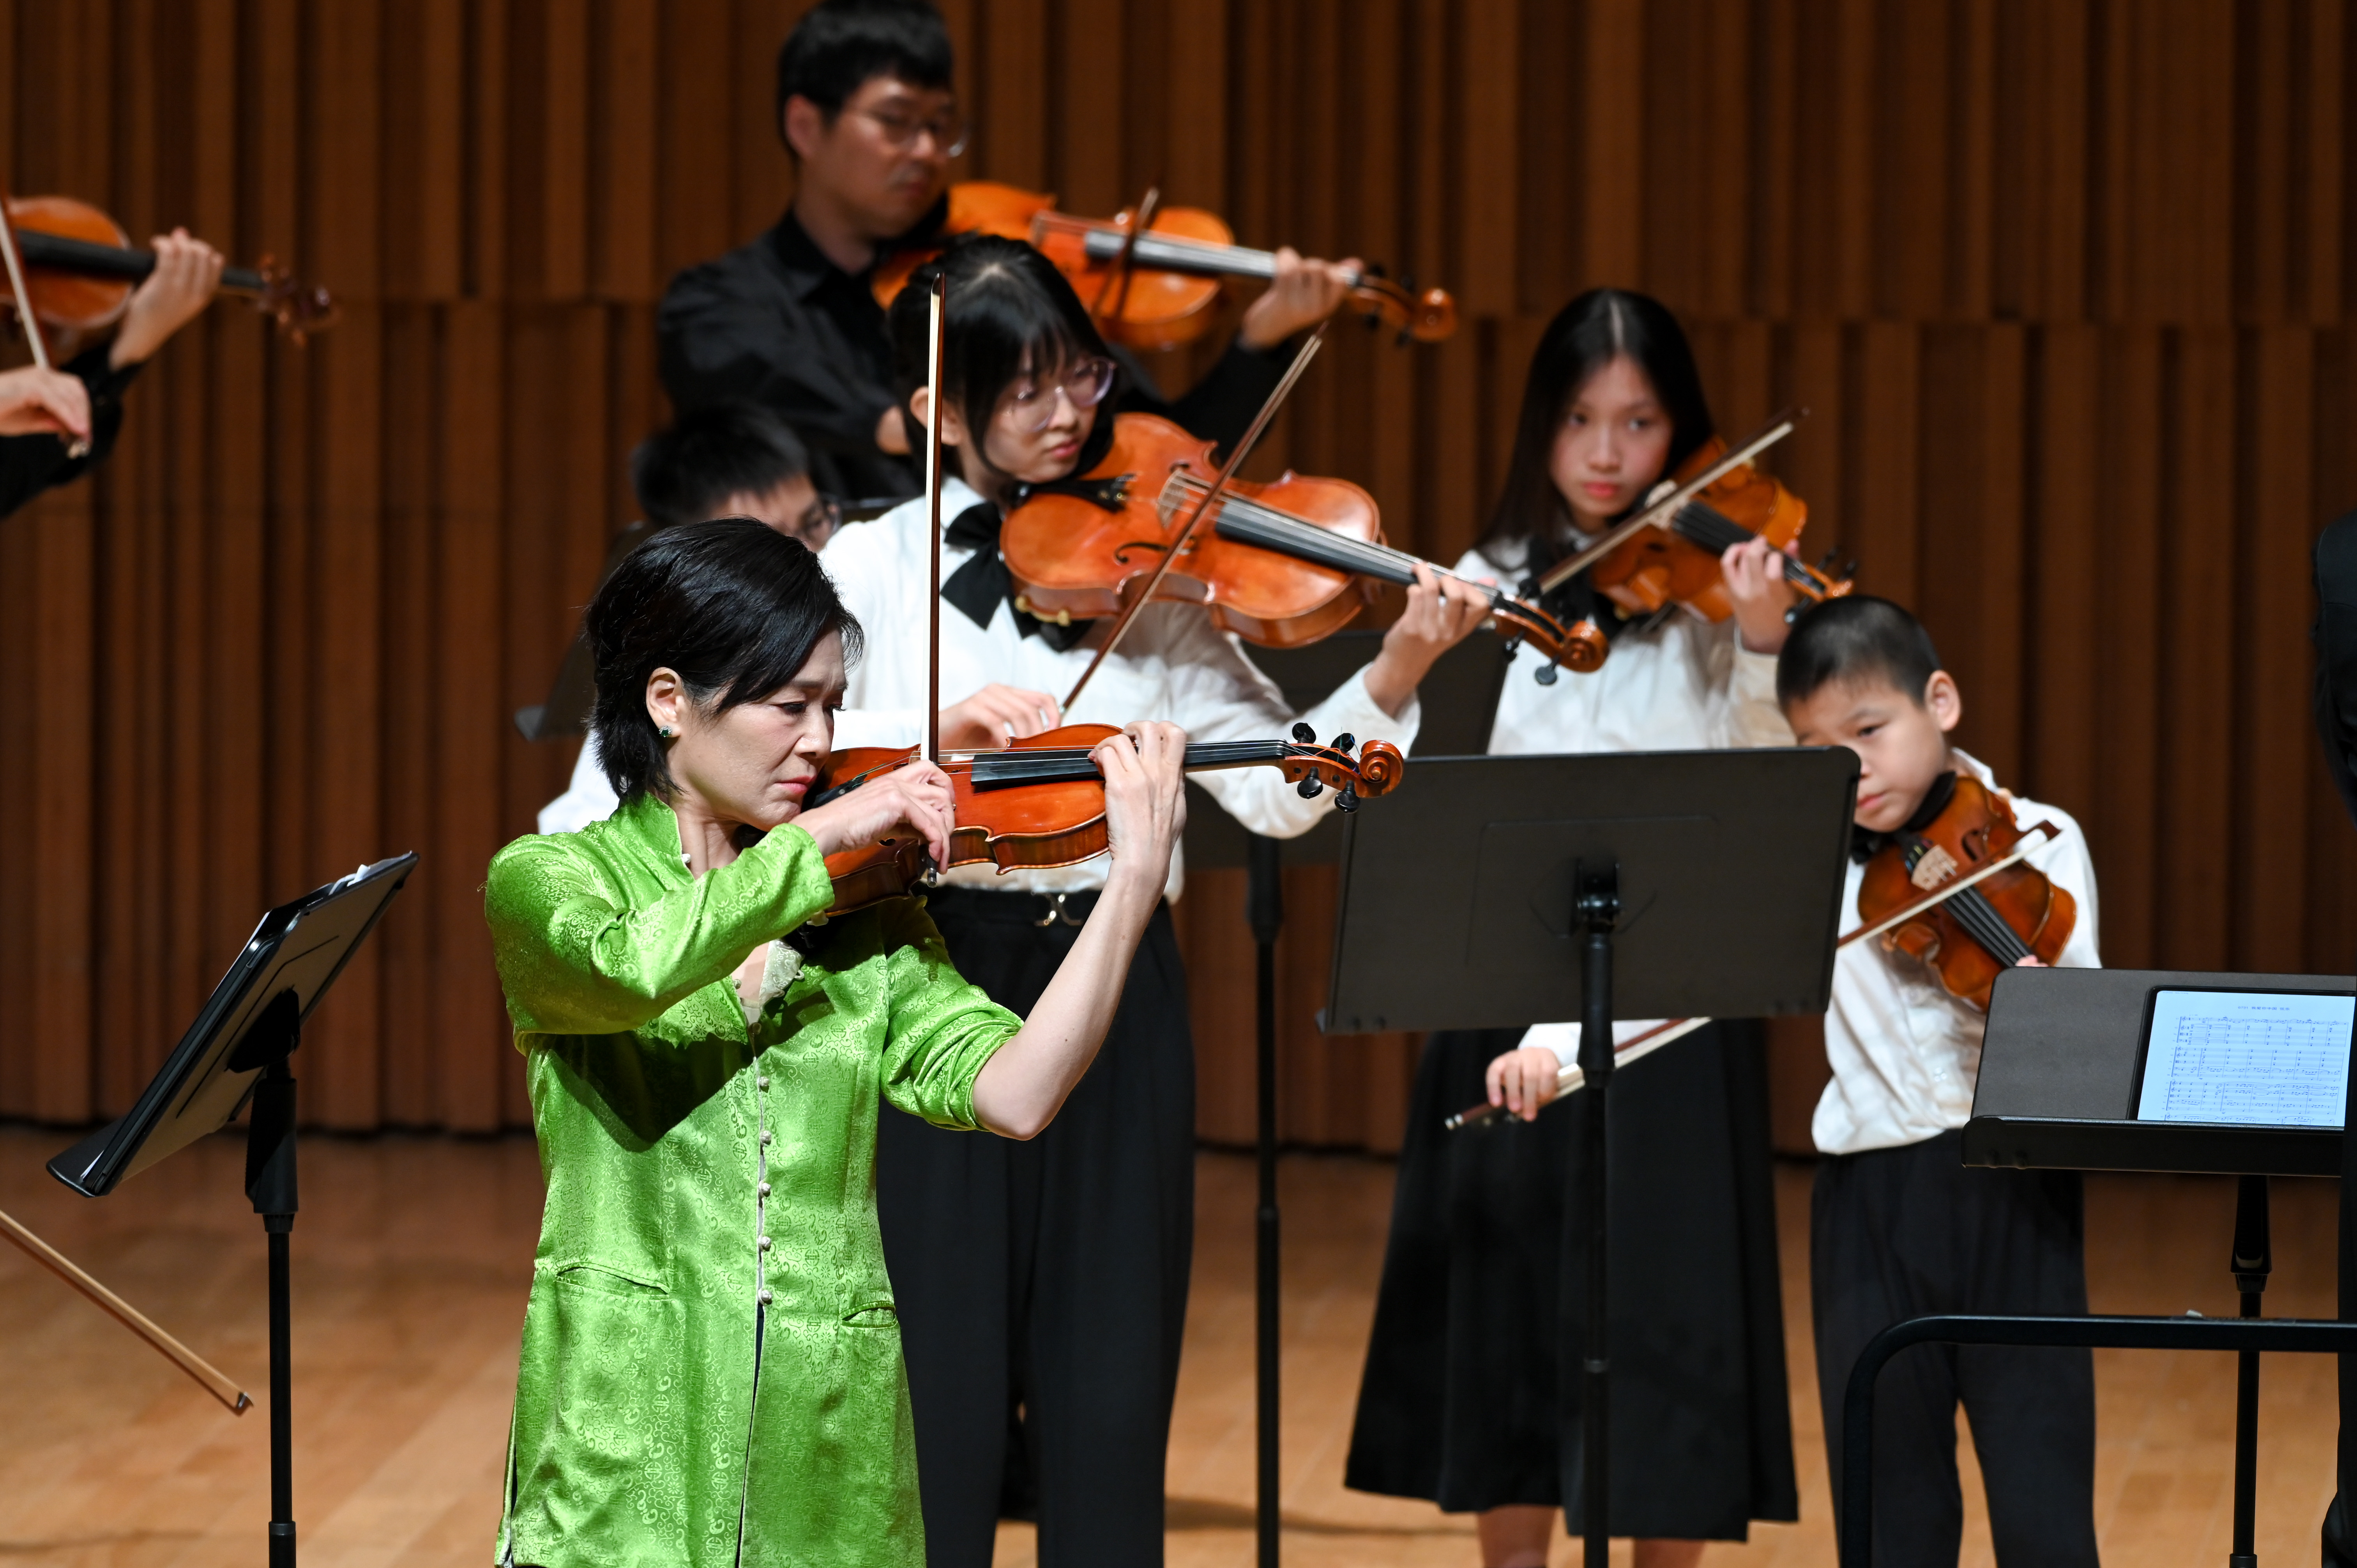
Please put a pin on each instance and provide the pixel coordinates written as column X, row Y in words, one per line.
column 1280, row 564
column 1958, row 895
column 1154, row 286
column 1669, row 552
column 81, row 269
column 1041, row 802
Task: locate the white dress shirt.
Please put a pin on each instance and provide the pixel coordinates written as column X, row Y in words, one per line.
column 1905, row 1053
column 1172, row 664
column 1687, row 685
column 587, row 797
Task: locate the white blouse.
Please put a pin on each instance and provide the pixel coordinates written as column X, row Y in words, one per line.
column 1171, row 665
column 1687, row 684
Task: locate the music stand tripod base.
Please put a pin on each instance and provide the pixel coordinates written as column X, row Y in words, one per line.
column 233, row 1056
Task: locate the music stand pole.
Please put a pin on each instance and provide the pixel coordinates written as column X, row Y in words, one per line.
column 269, row 1183
column 1264, row 909
column 1597, row 907
column 2252, row 1262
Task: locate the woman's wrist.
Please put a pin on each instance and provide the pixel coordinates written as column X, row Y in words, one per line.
column 1391, row 684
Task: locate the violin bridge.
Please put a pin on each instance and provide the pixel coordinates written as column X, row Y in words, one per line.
column 1934, row 867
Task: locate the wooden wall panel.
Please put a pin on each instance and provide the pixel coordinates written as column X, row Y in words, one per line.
column 2066, row 285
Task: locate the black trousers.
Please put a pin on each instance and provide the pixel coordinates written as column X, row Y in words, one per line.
column 1899, row 1233
column 1042, row 1285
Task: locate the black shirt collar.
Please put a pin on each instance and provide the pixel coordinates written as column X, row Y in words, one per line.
column 807, row 268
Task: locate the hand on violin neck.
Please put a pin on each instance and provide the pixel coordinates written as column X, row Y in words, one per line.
column 187, row 272
column 1442, row 613
column 995, row 715
column 916, row 797
column 1756, row 587
column 1145, row 805
column 36, row 401
column 1304, row 292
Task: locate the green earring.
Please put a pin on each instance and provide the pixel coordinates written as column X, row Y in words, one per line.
column 665, row 732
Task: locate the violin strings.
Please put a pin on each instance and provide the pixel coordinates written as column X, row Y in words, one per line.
column 1280, row 528
column 1714, row 530
column 1981, row 921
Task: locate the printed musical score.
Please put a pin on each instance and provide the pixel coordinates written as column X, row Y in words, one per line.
column 2252, row 1058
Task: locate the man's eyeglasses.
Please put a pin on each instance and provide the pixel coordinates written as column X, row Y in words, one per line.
column 1031, row 403
column 818, row 522
column 948, row 129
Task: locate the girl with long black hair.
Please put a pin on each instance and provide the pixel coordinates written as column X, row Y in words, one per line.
column 1042, row 1287
column 1466, row 1399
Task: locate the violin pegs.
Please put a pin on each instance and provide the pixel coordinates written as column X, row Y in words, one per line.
column 1310, row 788
column 1346, row 742
column 1304, row 734
column 1545, row 673
column 1347, row 800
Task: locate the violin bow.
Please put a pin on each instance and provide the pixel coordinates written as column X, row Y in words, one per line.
column 1115, row 287
column 77, row 446
column 1571, row 1080
column 1209, row 499
column 1658, row 514
column 215, row 1381
column 940, row 295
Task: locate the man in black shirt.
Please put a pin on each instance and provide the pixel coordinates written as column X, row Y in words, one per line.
column 865, row 106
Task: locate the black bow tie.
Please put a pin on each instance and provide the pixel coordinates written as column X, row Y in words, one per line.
column 983, row 582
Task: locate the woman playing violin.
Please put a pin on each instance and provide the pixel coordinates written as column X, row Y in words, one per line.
column 1459, row 1401
column 1051, row 1279
column 82, row 399
column 865, row 109
column 712, row 1366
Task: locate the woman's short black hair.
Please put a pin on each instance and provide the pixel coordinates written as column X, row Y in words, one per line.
column 840, row 46
column 1857, row 639
column 732, row 606
column 1587, row 335
column 684, row 473
column 1007, row 305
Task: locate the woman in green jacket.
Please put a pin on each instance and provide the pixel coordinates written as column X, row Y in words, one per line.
column 711, row 1370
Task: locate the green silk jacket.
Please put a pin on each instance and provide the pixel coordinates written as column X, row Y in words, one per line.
column 711, row 1369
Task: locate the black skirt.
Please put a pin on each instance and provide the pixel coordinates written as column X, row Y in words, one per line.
column 1483, row 1295
column 1042, row 1285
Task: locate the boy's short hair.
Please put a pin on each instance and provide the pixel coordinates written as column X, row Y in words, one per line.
column 1857, row 639
column 842, row 45
column 682, row 474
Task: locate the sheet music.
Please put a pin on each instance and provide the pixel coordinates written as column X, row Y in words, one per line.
column 2251, row 1058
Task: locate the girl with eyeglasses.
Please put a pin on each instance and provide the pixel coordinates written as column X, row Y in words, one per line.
column 1042, row 1286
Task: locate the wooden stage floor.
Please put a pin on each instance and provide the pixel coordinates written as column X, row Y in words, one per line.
column 412, row 1257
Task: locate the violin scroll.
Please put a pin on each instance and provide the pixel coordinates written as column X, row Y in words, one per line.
column 295, row 307
column 1312, row 768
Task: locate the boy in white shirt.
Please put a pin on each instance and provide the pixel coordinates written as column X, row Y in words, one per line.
column 1898, row 1227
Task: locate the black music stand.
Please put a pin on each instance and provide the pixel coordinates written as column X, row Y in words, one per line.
column 2060, row 1069
column 1490, row 892
column 234, row 1053
column 1459, row 699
